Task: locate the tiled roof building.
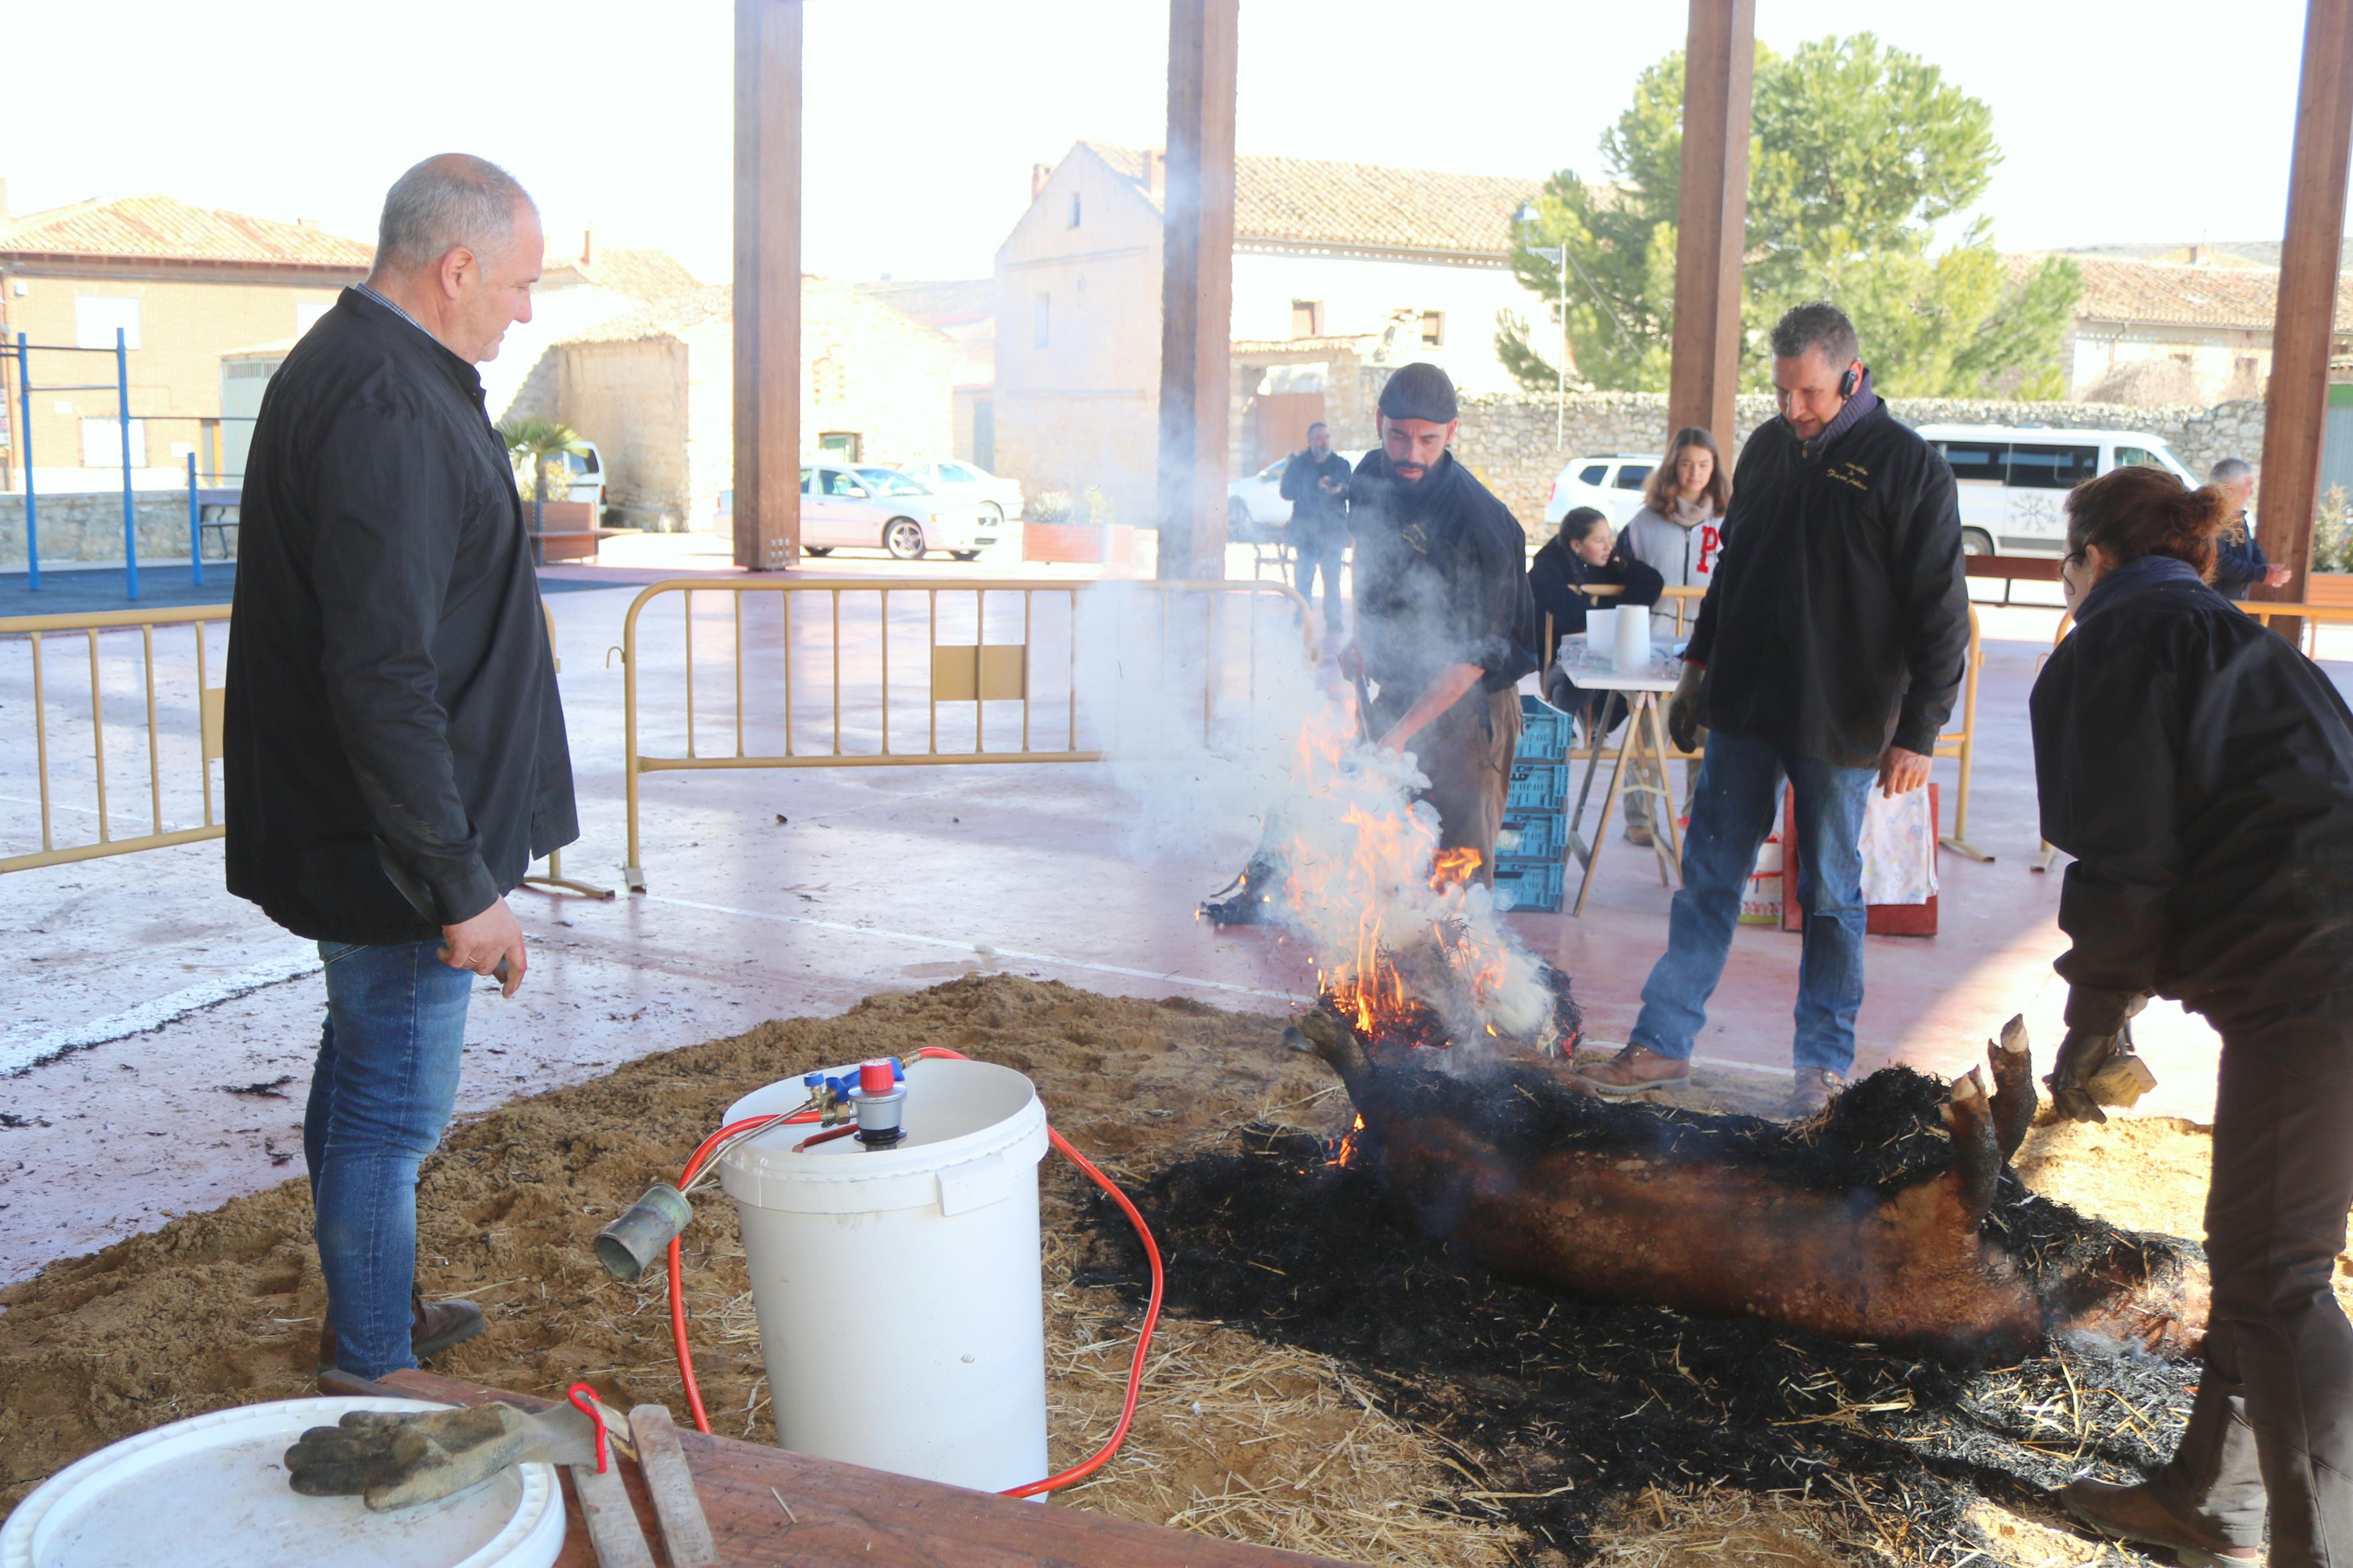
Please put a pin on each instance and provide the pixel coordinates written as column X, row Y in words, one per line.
column 152, row 229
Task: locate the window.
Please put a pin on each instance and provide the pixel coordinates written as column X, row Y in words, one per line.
column 578, row 462
column 1074, row 210
column 2036, row 467
column 887, row 482
column 958, row 473
column 2136, row 457
column 809, row 485
column 1596, row 474
column 837, row 483
column 1985, row 461
column 828, row 382
column 1308, row 318
column 1041, row 320
column 1434, row 328
column 101, row 443
column 95, row 316
column 1631, row 475
column 842, row 445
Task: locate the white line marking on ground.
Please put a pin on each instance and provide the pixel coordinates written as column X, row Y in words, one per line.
column 24, row 1050
column 978, row 950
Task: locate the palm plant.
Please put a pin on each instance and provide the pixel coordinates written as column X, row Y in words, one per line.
column 532, row 444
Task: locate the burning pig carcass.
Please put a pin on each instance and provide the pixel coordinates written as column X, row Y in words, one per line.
column 1891, row 1217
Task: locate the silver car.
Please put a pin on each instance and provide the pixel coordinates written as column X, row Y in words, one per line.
column 850, row 507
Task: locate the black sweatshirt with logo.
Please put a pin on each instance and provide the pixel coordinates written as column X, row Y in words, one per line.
column 1441, row 577
column 1837, row 619
column 396, row 753
column 2200, row 769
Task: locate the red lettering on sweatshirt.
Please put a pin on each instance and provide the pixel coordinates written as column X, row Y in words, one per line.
column 1711, row 540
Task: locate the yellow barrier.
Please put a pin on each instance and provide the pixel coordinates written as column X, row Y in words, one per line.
column 965, row 675
column 191, row 716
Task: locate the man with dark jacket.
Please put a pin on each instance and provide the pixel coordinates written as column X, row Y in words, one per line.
column 396, row 753
column 1445, row 625
column 1828, row 650
column 1315, row 483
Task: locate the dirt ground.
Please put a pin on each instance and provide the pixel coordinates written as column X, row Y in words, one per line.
column 1236, row 1437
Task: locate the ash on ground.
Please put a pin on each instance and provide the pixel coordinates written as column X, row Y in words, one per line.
column 1568, row 1403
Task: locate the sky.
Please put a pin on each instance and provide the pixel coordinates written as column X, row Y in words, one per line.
column 924, row 117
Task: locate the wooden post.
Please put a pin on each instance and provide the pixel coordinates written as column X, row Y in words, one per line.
column 1719, row 66
column 1196, row 289
column 2295, row 408
column 767, row 284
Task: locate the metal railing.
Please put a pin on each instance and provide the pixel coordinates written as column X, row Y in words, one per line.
column 1010, row 644
column 181, row 717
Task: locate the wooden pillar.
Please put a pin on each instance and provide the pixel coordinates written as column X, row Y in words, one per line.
column 1712, row 220
column 767, row 284
column 1196, row 289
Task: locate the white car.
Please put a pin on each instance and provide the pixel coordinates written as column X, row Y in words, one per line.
column 966, row 481
column 844, row 508
column 1612, row 485
column 1256, row 513
column 2012, row 479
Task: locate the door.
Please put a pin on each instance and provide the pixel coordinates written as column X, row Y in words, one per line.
column 820, row 513
column 1279, row 421
column 850, row 517
column 1979, row 470
column 2041, row 474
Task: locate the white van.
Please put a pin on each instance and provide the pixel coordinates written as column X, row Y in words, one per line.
column 2012, row 479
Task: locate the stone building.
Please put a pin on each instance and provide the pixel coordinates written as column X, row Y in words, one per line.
column 185, row 285
column 965, row 309
column 2196, row 330
column 655, row 390
column 1334, row 265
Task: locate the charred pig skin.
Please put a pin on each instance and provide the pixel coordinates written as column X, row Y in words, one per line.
column 1935, row 1257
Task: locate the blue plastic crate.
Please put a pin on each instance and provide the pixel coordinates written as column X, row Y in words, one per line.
column 1533, row 834
column 1546, row 733
column 1524, row 884
column 1538, row 786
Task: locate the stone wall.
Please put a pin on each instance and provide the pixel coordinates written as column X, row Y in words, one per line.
column 89, row 528
column 1508, row 441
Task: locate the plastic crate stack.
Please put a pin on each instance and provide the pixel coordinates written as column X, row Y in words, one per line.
column 1531, row 870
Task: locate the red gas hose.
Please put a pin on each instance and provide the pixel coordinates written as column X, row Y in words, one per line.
column 1142, row 1339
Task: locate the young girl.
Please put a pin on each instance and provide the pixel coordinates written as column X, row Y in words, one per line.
column 1680, row 528
column 2200, row 771
column 1582, row 553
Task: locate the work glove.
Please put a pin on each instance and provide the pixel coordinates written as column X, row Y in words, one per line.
column 398, row 1459
column 1683, row 709
column 2094, row 1070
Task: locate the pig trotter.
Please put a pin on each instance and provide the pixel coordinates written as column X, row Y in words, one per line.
column 1977, row 1155
column 2014, row 1099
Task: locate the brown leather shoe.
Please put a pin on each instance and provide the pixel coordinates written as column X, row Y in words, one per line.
column 1637, row 1069
column 1817, row 1087
column 2136, row 1513
column 1638, row 833
column 433, row 1328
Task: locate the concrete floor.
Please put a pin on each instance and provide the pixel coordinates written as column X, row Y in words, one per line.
column 173, row 1026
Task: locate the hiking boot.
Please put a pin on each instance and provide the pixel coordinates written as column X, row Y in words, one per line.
column 2136, row 1513
column 433, row 1327
column 1639, row 833
column 1817, row 1087
column 1635, row 1070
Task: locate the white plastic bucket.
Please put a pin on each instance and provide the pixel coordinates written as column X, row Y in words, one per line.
column 210, row 1492
column 902, row 1313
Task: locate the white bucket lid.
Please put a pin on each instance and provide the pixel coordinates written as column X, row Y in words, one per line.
column 210, row 1492
column 972, row 1128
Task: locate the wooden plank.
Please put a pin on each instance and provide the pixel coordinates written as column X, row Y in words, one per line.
column 669, row 1482
column 767, row 276
column 1712, row 216
column 1196, row 289
column 2296, row 404
column 772, row 1506
column 610, row 1516
column 2018, row 568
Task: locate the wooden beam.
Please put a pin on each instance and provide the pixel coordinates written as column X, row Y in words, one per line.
column 1197, row 287
column 1711, row 219
column 2296, row 410
column 767, row 282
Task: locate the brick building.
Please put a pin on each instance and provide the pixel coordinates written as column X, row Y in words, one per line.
column 655, row 390
column 186, row 285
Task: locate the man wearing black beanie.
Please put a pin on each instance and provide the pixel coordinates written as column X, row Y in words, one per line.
column 1445, row 624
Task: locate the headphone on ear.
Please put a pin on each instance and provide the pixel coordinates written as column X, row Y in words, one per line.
column 1849, row 382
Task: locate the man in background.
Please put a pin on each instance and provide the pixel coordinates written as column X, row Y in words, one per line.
column 396, row 755
column 1315, row 483
column 1445, row 623
column 2239, row 563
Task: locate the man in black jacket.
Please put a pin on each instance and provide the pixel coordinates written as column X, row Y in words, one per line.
column 1315, row 483
column 396, row 753
column 1445, row 624
column 1832, row 643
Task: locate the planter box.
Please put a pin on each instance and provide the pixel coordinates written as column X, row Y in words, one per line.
column 2330, row 588
column 1079, row 543
column 567, row 531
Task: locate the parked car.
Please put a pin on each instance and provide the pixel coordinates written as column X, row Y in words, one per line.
column 1256, row 513
column 844, row 508
column 2012, row 480
column 585, row 476
column 967, row 481
column 1614, row 484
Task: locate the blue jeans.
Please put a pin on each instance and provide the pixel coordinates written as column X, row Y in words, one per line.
column 1732, row 807
column 1326, row 557
column 385, row 1082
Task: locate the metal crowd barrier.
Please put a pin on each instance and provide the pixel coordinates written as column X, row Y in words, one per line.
column 997, row 650
column 181, row 716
